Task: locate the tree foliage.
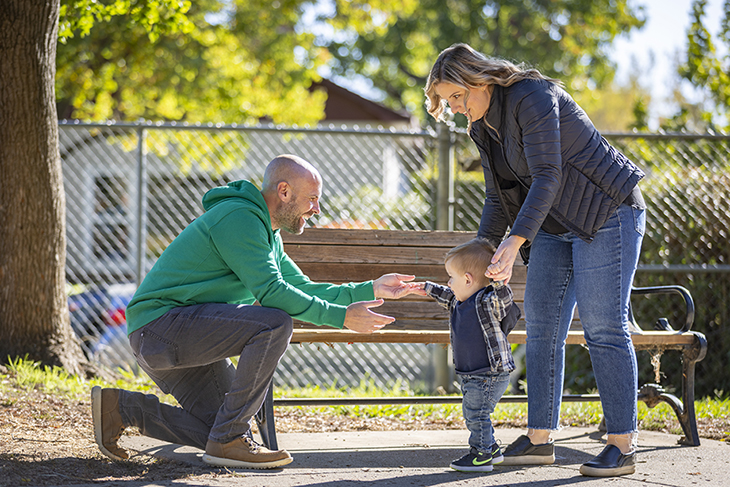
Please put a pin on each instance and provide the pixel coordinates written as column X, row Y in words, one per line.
column 154, row 16
column 231, row 61
column 617, row 108
column 395, row 43
column 708, row 70
column 241, row 61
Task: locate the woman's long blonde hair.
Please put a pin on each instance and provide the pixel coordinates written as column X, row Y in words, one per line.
column 463, row 66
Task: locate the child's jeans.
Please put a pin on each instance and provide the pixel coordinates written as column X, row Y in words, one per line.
column 481, row 394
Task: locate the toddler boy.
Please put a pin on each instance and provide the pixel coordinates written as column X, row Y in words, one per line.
column 481, row 316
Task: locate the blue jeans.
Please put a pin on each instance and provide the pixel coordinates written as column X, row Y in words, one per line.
column 565, row 271
column 185, row 352
column 481, row 394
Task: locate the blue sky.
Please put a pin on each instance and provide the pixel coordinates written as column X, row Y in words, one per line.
column 664, row 36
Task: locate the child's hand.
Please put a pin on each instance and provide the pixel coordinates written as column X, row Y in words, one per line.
column 394, row 286
column 415, row 288
column 419, row 288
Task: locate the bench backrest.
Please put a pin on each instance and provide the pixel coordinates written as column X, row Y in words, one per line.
column 347, row 255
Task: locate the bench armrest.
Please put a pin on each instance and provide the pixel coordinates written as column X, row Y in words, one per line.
column 682, row 291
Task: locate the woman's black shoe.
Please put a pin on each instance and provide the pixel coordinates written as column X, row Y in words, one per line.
column 610, row 463
column 522, row 452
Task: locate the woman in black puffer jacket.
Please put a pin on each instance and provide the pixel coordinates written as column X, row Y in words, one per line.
column 573, row 202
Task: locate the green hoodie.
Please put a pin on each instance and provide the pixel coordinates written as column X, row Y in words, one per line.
column 231, row 255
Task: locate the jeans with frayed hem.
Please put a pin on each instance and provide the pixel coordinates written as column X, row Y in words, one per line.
column 565, row 272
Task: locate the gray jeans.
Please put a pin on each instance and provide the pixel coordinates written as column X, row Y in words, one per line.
column 186, row 352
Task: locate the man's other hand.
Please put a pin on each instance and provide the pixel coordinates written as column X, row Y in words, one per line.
column 360, row 319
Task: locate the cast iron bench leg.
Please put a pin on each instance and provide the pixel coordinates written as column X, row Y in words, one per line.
column 265, row 420
column 652, row 394
column 690, row 357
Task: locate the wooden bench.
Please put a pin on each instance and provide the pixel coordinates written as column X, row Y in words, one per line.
column 334, row 255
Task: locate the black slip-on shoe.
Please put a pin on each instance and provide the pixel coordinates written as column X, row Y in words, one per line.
column 522, row 452
column 610, row 463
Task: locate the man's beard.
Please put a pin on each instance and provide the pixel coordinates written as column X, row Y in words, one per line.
column 289, row 219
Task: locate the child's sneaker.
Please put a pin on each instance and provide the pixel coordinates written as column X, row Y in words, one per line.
column 476, row 461
column 496, row 452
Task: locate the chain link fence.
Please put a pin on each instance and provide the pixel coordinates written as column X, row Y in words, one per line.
column 131, row 188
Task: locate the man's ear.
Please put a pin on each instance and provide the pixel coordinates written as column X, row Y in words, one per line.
column 284, row 191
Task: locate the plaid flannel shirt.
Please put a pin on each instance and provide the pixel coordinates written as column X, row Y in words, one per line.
column 493, row 303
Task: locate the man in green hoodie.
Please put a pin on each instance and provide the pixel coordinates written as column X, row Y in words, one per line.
column 195, row 309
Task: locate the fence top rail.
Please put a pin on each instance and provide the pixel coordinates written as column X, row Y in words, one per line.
column 645, row 135
column 359, row 130
column 689, row 268
column 666, row 136
column 331, row 128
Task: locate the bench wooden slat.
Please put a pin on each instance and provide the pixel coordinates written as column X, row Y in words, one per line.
column 363, row 254
column 398, row 325
column 389, row 238
column 643, row 340
column 409, row 323
column 423, row 313
column 415, row 310
column 345, row 272
column 338, row 273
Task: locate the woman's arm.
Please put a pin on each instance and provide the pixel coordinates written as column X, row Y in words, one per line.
column 538, row 116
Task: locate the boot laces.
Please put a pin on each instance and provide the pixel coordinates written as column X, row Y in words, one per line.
column 255, row 447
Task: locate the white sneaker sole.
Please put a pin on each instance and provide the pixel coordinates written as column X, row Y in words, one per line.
column 229, row 462
column 96, row 417
column 483, row 468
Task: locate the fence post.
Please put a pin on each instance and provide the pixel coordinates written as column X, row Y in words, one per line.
column 141, row 230
column 444, row 221
column 445, row 181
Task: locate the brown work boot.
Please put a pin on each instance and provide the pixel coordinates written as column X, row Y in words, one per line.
column 108, row 426
column 243, row 452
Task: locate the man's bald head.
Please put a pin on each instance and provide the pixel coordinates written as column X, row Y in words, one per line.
column 291, row 188
column 290, row 169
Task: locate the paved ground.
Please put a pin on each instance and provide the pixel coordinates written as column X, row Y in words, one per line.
column 421, row 458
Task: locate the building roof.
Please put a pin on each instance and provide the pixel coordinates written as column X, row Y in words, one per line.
column 344, row 105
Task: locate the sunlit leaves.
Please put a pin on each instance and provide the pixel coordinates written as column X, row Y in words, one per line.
column 395, row 43
column 238, row 61
column 705, row 67
column 156, row 17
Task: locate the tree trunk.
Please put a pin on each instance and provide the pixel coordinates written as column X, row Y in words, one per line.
column 34, row 319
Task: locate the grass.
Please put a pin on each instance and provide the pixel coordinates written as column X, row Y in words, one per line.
column 27, row 374
column 712, row 412
column 709, row 411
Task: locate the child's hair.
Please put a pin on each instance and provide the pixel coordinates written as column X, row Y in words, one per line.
column 473, row 256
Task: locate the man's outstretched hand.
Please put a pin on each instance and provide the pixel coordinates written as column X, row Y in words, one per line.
column 394, row 286
column 360, row 319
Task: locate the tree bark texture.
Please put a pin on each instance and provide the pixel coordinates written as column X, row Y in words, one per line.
column 34, row 318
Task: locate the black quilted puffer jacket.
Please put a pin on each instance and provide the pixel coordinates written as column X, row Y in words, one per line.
column 551, row 147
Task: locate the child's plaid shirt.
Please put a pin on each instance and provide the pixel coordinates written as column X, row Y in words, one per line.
column 494, row 307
